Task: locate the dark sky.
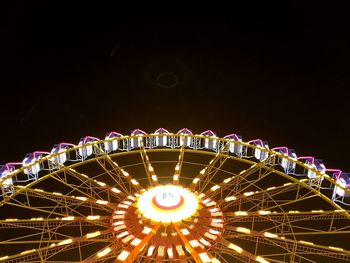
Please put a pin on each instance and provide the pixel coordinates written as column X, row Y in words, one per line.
column 276, row 71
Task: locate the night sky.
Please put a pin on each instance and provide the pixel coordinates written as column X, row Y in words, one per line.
column 276, row 71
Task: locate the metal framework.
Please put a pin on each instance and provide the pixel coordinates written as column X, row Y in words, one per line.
column 79, row 203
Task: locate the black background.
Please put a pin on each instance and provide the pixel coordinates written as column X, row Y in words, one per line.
column 272, row 70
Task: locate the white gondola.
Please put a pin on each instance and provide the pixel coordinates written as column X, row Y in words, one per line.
column 60, row 149
column 86, row 150
column 136, row 142
column 186, row 138
column 211, row 141
column 343, row 181
column 112, row 143
column 234, row 146
column 4, row 171
column 162, row 137
column 312, row 164
column 30, row 161
column 287, row 165
column 258, row 152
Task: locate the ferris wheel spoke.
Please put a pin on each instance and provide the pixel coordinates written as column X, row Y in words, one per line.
column 219, row 258
column 296, row 247
column 48, row 232
column 242, row 180
column 119, row 177
column 266, row 194
column 66, row 200
column 205, row 176
column 230, row 248
column 96, row 188
column 177, row 173
column 317, row 223
column 287, row 204
column 53, row 224
column 107, row 252
column 149, row 170
column 53, row 207
column 53, row 246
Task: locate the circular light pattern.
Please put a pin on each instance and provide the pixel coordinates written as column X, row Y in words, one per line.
column 167, row 204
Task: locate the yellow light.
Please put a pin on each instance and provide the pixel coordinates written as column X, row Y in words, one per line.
column 248, row 193
column 82, row 198
column 93, row 217
column 261, row 260
column 65, row 242
column 184, row 231
column 195, row 180
column 293, row 212
column 306, row 242
column 5, row 257
column 123, row 234
column 241, row 213
column 101, row 183
column 243, row 230
column 154, row 177
column 101, row 202
column 235, row 248
column 37, row 219
column 194, row 243
column 230, row 198
column 27, row 252
column 161, row 251
column 11, row 219
column 135, row 242
column 204, row 257
column 262, row 212
column 179, row 250
column 214, row 260
column 115, row 190
column 104, row 252
column 120, row 212
column 336, row 248
column 227, row 180
column 150, row 251
column 214, row 232
column 68, row 218
column 93, row 234
column 146, row 230
column 215, row 187
column 268, row 234
column 125, row 173
column 134, row 182
column 204, row 242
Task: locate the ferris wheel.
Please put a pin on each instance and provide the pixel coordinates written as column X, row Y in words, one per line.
column 173, row 197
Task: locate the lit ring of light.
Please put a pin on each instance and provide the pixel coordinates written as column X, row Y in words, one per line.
column 167, row 204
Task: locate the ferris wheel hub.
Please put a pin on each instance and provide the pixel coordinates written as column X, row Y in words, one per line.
column 167, row 204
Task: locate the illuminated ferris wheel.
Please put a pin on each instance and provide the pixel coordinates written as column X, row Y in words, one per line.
column 173, row 197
